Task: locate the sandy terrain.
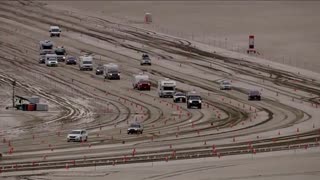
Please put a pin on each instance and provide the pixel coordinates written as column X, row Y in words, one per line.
column 227, row 126
column 286, row 31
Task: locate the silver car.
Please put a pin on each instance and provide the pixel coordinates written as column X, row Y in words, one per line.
column 225, row 85
column 78, row 135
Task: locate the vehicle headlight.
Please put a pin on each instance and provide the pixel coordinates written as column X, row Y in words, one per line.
column 199, row 101
column 190, row 101
column 110, row 74
column 64, row 57
column 118, row 74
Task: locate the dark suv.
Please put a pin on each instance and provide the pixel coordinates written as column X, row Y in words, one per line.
column 194, row 100
column 254, row 95
column 99, row 70
column 71, row 60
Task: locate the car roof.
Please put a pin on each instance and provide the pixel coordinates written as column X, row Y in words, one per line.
column 54, row 27
column 254, row 91
column 79, row 130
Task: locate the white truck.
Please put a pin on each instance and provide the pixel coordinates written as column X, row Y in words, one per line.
column 51, row 60
column 45, row 47
column 166, row 88
column 141, row 82
column 86, row 62
column 54, row 31
column 111, row 71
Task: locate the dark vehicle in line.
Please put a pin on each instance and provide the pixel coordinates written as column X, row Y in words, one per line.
column 71, row 60
column 61, row 53
column 99, row 70
column 254, row 95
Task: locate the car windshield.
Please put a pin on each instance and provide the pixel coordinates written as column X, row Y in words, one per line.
column 46, row 46
column 54, row 30
column 71, row 58
column 135, row 125
column 87, row 62
column 75, row 132
column 113, row 71
column 226, row 83
column 195, row 97
column 168, row 88
column 100, row 67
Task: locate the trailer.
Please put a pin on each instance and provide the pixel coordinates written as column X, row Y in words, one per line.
column 111, row 71
column 141, row 82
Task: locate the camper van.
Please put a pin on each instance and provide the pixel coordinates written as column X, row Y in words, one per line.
column 166, row 88
column 86, row 62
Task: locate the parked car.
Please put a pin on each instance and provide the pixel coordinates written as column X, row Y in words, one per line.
column 179, row 97
column 99, row 70
column 78, row 135
column 225, row 85
column 71, row 60
column 254, row 95
column 135, row 128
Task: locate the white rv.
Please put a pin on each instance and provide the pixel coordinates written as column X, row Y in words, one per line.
column 55, row 31
column 86, row 62
column 51, row 60
column 166, row 88
column 46, row 47
column 111, row 71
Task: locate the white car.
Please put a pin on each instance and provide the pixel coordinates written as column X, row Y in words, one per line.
column 51, row 60
column 78, row 135
column 225, row 85
column 55, row 31
column 135, row 128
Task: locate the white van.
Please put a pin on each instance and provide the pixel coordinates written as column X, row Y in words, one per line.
column 86, row 63
column 166, row 88
column 51, row 60
column 55, row 31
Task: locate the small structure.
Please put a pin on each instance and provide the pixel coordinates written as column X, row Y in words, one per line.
column 30, row 104
column 148, row 18
column 251, row 45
